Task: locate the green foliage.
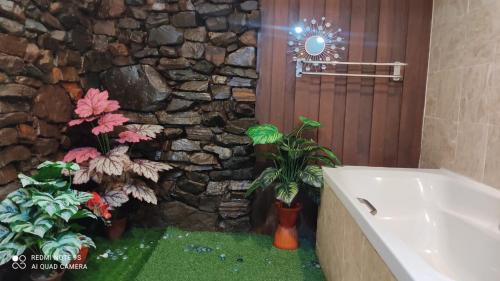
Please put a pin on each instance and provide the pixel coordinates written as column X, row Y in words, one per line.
column 309, row 122
column 37, row 216
column 296, row 160
column 264, row 134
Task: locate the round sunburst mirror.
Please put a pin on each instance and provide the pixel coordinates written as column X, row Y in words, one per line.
column 314, row 40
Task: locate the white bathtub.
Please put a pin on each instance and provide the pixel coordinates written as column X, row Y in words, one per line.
column 430, row 224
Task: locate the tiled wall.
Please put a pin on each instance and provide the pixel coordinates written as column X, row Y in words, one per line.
column 462, row 113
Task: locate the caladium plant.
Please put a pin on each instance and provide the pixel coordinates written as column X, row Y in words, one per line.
column 39, row 215
column 109, row 164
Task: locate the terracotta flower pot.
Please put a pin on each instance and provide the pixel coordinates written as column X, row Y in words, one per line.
column 286, row 236
column 116, row 229
column 54, row 276
column 82, row 257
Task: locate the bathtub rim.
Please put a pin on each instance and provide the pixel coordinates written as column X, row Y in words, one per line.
column 404, row 263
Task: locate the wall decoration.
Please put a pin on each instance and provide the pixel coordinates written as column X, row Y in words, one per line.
column 316, row 41
column 317, row 46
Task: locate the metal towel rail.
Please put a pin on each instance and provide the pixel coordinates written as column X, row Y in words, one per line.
column 395, row 76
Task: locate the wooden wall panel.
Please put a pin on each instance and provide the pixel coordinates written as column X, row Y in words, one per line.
column 367, row 121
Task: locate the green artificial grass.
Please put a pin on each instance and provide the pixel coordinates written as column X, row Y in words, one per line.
column 186, row 256
column 118, row 260
column 176, row 255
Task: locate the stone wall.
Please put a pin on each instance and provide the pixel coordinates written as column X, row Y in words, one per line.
column 188, row 65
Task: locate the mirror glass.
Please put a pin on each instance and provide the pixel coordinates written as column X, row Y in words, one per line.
column 315, row 45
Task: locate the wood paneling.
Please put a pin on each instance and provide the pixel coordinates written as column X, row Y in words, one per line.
column 367, row 121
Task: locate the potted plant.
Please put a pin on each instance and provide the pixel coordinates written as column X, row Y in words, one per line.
column 38, row 219
column 109, row 164
column 101, row 210
column 295, row 166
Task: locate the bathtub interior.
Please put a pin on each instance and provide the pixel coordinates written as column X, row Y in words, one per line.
column 449, row 221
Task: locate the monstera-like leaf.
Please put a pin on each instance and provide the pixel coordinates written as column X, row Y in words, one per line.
column 140, row 191
column 39, row 227
column 264, row 134
column 115, row 198
column 312, row 175
column 65, row 247
column 10, row 249
column 148, row 169
column 145, row 130
column 309, row 122
column 286, row 192
column 10, row 212
column 112, row 163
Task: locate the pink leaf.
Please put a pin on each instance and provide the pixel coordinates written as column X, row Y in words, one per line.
column 128, row 136
column 145, row 130
column 112, row 106
column 81, row 154
column 95, row 103
column 108, row 122
column 80, row 121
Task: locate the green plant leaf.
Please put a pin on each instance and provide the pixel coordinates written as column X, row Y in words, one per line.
column 309, row 122
column 266, row 178
column 5, row 234
column 82, row 197
column 264, row 134
column 86, row 241
column 64, row 205
column 39, row 227
column 49, row 170
column 67, row 213
column 330, row 155
column 21, row 197
column 312, row 175
column 64, row 248
column 10, row 249
column 83, row 213
column 29, row 181
column 10, row 212
column 286, row 192
column 323, row 160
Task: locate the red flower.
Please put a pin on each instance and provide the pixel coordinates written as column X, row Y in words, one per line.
column 98, row 207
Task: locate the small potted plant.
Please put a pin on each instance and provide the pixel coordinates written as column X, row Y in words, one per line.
column 295, row 166
column 109, row 164
column 101, row 210
column 38, row 219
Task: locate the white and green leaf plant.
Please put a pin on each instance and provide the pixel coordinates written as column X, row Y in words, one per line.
column 296, row 161
column 39, row 216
